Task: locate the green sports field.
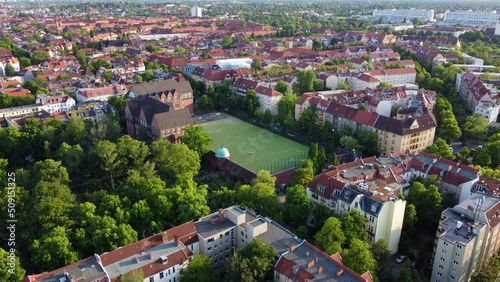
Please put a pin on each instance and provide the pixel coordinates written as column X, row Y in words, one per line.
column 252, row 147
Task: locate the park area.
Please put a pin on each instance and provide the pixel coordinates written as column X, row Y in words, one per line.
column 252, row 147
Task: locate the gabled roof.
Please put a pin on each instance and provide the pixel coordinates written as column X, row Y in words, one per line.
column 165, row 85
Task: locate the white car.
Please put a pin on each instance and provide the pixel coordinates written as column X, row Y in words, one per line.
column 401, row 259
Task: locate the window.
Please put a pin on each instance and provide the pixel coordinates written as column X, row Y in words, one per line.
column 161, row 275
column 455, row 262
column 457, row 254
column 169, row 271
column 442, row 259
column 242, row 241
column 439, row 274
column 445, row 243
column 459, row 246
column 277, row 276
column 151, row 279
column 440, row 266
column 173, row 270
column 210, row 240
column 209, row 249
column 242, row 233
column 227, row 233
column 220, row 236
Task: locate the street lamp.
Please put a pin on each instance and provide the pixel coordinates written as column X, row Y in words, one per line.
column 333, row 140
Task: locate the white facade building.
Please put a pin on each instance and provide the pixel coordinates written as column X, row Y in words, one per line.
column 471, row 17
column 55, row 104
column 393, row 15
column 196, row 12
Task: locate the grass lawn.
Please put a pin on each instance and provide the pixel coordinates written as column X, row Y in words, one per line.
column 253, row 147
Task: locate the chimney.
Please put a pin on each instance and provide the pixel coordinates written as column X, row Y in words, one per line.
column 320, row 269
column 176, row 238
column 136, row 259
column 221, row 214
column 292, row 248
column 164, row 237
column 316, row 259
column 339, row 272
column 307, row 253
column 310, row 264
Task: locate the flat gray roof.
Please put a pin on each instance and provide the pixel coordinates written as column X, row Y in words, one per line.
column 206, row 229
column 278, row 237
column 87, row 270
column 138, row 260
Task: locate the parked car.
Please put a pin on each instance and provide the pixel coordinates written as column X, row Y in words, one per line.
column 401, row 259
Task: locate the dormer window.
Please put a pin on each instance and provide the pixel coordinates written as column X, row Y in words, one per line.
column 321, row 187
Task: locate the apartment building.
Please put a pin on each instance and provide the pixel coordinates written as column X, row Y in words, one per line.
column 414, row 130
column 471, row 17
column 305, row 262
column 479, row 97
column 456, row 178
column 100, row 94
column 178, row 93
column 268, row 99
column 160, row 257
column 393, row 15
column 221, row 233
column 149, row 116
column 59, row 103
column 467, row 234
column 370, row 186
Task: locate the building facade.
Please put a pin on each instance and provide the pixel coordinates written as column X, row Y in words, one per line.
column 147, row 117
column 467, row 234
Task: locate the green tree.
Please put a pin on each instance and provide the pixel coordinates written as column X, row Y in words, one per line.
column 99, row 63
column 303, row 174
column 261, row 194
column 482, row 157
column 344, row 85
column 50, row 171
column 132, row 276
column 384, row 85
column 427, row 202
column 406, row 275
column 70, row 157
column 107, row 235
column 39, row 57
column 353, row 226
column 380, row 250
column 254, row 262
column 305, row 81
column 349, row 143
column 494, row 151
column 53, row 250
column 359, row 258
column 107, row 155
column 10, row 269
column 251, row 102
column 320, row 214
column 475, row 127
column 227, row 42
column 174, row 160
column 256, row 64
column 369, row 141
column 148, row 76
column 331, row 237
column 489, row 272
column 282, row 87
column 297, row 205
column 24, row 62
column 197, row 139
column 286, row 106
column 223, row 197
column 9, row 70
column 199, row 269
column 410, row 218
column 440, row 148
column 205, row 103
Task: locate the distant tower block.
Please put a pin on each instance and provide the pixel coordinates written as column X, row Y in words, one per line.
column 196, row 12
